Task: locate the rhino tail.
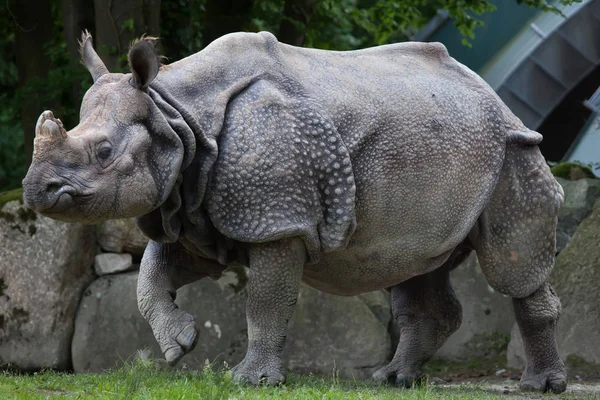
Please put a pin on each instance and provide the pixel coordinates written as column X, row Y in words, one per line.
column 523, row 136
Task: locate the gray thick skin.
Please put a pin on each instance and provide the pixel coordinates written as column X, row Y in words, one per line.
column 352, row 171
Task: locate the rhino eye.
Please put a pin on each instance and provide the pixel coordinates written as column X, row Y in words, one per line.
column 104, row 153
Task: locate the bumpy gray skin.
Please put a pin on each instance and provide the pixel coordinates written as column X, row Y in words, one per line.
column 351, row 171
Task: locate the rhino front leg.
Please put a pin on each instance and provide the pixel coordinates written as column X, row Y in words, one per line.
column 174, row 329
column 273, row 285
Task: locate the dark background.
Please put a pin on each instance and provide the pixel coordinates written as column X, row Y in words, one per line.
column 39, row 60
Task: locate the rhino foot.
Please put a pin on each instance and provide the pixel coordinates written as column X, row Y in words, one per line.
column 186, row 341
column 176, row 333
column 553, row 381
column 403, row 378
column 253, row 372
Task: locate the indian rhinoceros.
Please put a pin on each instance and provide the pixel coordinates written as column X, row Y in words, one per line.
column 350, row 171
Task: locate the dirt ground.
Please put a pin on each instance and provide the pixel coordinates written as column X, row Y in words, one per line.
column 584, row 383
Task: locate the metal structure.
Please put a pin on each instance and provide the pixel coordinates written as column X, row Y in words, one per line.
column 593, row 103
column 564, row 56
column 543, row 66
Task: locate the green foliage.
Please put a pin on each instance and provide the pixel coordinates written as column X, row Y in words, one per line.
column 267, row 15
column 181, row 28
column 128, row 24
column 462, row 11
column 353, row 24
column 544, row 6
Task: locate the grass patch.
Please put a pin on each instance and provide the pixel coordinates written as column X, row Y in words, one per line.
column 146, row 380
column 472, row 368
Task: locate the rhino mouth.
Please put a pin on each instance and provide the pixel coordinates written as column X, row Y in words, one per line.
column 52, row 202
column 62, row 203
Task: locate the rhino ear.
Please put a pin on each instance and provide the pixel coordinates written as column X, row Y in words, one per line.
column 90, row 58
column 144, row 62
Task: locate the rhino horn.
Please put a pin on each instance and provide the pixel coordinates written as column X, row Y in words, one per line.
column 48, row 131
column 90, row 58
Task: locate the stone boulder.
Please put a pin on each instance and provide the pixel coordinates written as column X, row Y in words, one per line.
column 576, row 279
column 122, row 236
column 487, row 315
column 44, row 267
column 325, row 331
column 110, row 263
column 580, row 196
column 109, row 328
column 348, row 334
column 515, row 353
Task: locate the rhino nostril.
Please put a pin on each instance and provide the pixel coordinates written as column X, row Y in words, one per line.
column 53, row 187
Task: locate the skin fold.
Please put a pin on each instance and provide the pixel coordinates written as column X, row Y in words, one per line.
column 351, row 171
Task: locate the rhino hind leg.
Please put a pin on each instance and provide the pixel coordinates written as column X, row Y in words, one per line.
column 515, row 245
column 427, row 313
column 537, row 316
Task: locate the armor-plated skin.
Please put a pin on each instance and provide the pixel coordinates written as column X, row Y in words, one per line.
column 352, row 171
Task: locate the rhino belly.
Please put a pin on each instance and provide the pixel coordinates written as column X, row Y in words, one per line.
column 377, row 263
column 413, row 208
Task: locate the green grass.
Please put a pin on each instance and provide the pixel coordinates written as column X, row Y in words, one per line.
column 148, row 381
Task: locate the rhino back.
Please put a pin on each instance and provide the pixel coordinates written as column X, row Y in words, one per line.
column 406, row 84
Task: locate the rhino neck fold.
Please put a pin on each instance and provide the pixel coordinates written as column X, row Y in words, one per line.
column 182, row 216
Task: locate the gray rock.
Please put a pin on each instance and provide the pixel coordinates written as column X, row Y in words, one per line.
column 342, row 333
column 44, row 267
column 109, row 328
column 325, row 331
column 515, row 353
column 487, row 315
column 109, row 263
column 576, row 279
column 577, row 282
column 122, row 236
column 380, row 305
column 580, row 196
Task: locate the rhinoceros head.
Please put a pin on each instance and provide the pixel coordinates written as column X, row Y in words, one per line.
column 111, row 165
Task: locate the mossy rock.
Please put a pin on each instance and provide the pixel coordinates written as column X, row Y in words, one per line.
column 22, row 214
column 11, row 195
column 572, row 171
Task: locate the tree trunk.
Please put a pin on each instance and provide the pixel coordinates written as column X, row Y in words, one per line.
column 33, row 26
column 118, row 23
column 76, row 16
column 296, row 15
column 225, row 16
